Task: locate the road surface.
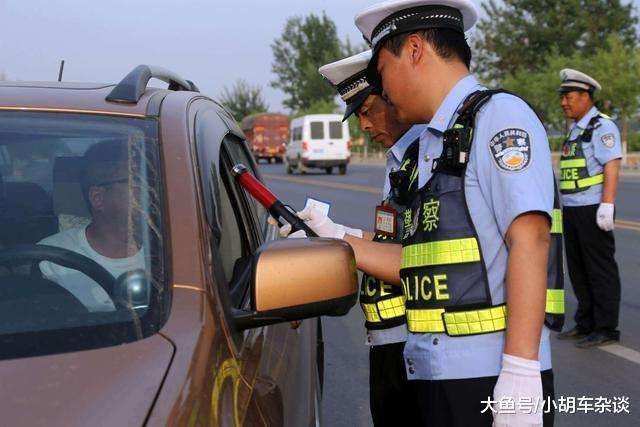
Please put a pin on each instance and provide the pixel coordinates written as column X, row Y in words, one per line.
column 612, row 371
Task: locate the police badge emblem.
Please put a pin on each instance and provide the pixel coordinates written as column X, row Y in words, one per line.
column 608, row 140
column 511, row 149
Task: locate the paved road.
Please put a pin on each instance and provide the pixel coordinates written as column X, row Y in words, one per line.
column 614, row 371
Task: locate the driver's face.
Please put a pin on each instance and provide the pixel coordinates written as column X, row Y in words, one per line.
column 113, row 201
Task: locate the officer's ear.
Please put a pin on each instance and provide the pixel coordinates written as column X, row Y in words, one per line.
column 415, row 46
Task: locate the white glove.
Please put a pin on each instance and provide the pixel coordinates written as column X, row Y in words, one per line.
column 520, row 387
column 604, row 217
column 321, row 224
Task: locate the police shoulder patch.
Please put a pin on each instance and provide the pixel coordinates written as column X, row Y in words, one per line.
column 511, row 149
column 608, row 140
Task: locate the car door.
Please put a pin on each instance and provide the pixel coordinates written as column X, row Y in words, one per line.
column 287, row 364
column 264, row 359
column 336, row 131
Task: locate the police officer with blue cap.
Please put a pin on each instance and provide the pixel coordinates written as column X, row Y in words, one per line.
column 382, row 303
column 589, row 169
column 480, row 261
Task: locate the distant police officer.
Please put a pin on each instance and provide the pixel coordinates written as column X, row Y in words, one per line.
column 382, row 303
column 589, row 181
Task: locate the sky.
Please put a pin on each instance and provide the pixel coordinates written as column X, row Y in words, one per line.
column 211, row 42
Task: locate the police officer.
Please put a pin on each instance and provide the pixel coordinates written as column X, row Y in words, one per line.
column 382, row 303
column 476, row 238
column 589, row 181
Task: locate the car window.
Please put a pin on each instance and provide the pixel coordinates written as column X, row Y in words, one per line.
column 317, row 130
column 81, row 246
column 335, row 130
column 297, row 134
column 231, row 242
column 231, row 217
column 239, row 153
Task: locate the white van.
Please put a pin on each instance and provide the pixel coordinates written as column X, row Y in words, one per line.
column 318, row 141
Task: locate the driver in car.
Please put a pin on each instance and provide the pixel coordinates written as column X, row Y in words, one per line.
column 110, row 239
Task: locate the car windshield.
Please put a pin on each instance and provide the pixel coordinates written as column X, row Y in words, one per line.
column 81, row 248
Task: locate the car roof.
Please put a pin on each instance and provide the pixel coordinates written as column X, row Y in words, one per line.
column 316, row 117
column 70, row 97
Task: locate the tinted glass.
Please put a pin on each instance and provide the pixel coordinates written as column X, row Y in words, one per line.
column 317, row 130
column 297, row 134
column 81, row 244
column 230, row 244
column 335, row 130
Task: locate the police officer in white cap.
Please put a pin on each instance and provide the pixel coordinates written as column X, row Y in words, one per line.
column 382, row 303
column 476, row 241
column 589, row 170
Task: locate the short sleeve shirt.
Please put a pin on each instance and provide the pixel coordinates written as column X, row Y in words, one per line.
column 509, row 173
column 87, row 291
column 605, row 146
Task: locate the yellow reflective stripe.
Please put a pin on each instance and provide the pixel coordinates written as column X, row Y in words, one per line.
column 414, row 175
column 556, row 222
column 573, row 163
column 385, row 309
column 425, row 321
column 370, row 313
column 457, row 323
column 392, row 307
column 477, row 321
column 592, row 180
column 472, row 322
column 555, row 301
column 582, row 183
column 567, row 185
column 443, row 252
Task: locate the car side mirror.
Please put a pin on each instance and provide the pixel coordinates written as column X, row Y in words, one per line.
column 296, row 279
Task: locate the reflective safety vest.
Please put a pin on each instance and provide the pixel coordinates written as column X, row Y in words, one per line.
column 443, row 272
column 383, row 303
column 574, row 175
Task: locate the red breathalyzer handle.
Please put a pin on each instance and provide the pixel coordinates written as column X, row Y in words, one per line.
column 267, row 199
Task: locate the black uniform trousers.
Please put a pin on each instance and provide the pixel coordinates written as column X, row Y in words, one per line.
column 458, row 403
column 390, row 397
column 592, row 269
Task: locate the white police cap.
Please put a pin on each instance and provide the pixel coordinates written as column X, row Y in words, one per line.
column 386, row 19
column 349, row 78
column 574, row 80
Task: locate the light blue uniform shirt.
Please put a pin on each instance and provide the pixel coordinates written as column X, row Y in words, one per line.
column 395, row 154
column 604, row 146
column 495, row 197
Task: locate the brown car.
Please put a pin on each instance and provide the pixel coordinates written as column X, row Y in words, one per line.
column 139, row 285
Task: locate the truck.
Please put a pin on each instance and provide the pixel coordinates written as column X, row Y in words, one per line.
column 267, row 134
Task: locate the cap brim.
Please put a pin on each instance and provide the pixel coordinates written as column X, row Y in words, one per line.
column 356, row 102
column 567, row 89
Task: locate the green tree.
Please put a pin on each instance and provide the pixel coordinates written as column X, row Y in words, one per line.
column 304, row 46
column 540, row 88
column 319, row 106
column 615, row 65
column 522, row 33
column 243, row 99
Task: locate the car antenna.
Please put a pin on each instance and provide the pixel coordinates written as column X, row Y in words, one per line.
column 61, row 70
